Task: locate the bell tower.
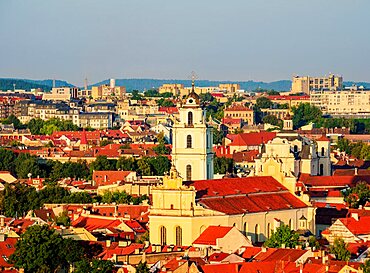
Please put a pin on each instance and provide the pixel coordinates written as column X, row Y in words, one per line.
column 192, row 151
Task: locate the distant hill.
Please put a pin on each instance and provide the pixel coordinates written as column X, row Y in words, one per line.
column 142, row 84
column 26, row 84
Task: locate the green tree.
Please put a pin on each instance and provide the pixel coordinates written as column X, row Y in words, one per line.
column 94, row 266
column 135, row 95
column 305, row 113
column 218, row 136
column 142, row 268
column 25, row 164
column 7, row 160
column 270, row 119
column 12, row 119
column 161, row 148
column 63, row 219
column 41, row 248
column 159, row 165
column 344, row 145
column 263, row 102
column 126, row 164
column 165, row 102
column 339, row 249
column 365, row 266
column 313, row 243
column 35, row 126
column 357, row 195
column 105, row 142
column 283, row 236
column 144, row 166
column 102, row 163
column 223, row 165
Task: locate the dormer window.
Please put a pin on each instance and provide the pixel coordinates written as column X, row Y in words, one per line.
column 190, row 118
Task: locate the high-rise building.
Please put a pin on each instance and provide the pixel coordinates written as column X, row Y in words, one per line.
column 306, row 84
column 192, row 151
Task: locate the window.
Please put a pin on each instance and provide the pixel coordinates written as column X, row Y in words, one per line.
column 245, row 228
column 295, row 149
column 256, row 233
column 188, row 172
column 322, row 151
column 268, row 230
column 321, row 169
column 290, row 224
column 190, row 118
column 189, row 141
column 163, row 235
column 178, row 236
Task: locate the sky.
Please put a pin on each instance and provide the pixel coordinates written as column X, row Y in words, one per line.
column 261, row 40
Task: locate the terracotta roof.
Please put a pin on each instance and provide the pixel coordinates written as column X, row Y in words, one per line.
column 323, row 138
column 251, row 139
column 236, row 107
column 93, row 223
column 279, row 254
column 246, row 156
column 362, row 226
column 250, row 252
column 247, row 194
column 218, row 257
column 109, row 177
column 7, row 248
column 210, row 235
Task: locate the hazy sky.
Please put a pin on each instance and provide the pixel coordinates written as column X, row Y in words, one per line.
column 220, row 40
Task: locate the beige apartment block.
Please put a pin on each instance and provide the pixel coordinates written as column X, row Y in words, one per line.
column 107, row 92
column 174, row 88
column 61, row 93
column 237, row 111
column 307, row 84
column 229, row 87
column 348, row 102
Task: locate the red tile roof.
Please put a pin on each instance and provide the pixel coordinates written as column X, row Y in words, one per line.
column 236, row 107
column 210, row 235
column 250, row 252
column 362, row 226
column 93, row 223
column 109, row 177
column 247, row 194
column 251, row 139
column 218, row 257
column 7, row 248
column 279, row 254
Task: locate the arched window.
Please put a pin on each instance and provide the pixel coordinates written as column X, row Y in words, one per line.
column 178, row 236
column 256, row 233
column 190, row 118
column 163, row 235
column 268, row 230
column 189, row 143
column 321, row 169
column 322, row 151
column 290, row 224
column 245, row 228
column 295, row 148
column 188, row 172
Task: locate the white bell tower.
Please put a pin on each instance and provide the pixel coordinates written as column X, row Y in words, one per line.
column 192, row 150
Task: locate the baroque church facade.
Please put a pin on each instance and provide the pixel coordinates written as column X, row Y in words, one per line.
column 190, row 200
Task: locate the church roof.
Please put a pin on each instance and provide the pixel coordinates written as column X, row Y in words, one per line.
column 251, row 139
column 247, row 194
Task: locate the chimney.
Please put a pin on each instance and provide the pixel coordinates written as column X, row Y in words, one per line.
column 301, row 268
column 356, row 171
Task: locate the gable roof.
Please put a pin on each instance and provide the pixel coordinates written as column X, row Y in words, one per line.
column 357, row 227
column 210, row 235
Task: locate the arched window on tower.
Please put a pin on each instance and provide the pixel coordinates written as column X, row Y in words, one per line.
column 188, row 172
column 190, row 118
column 163, row 235
column 178, row 236
column 322, row 151
column 256, row 233
column 189, row 142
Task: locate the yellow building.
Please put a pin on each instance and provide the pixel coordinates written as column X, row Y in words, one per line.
column 237, row 111
column 174, row 88
column 306, row 84
column 180, row 212
column 229, row 87
column 192, row 151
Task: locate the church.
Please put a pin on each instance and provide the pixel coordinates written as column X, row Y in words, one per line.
column 190, row 200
